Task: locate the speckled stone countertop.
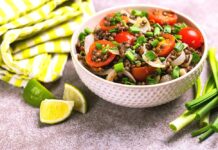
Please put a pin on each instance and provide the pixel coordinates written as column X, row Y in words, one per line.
column 107, row 126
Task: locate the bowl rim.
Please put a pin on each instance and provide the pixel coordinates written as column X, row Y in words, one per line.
column 120, row 7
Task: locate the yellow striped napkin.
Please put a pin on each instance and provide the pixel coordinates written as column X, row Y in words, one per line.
column 36, row 37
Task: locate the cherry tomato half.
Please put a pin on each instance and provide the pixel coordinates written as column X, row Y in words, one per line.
column 163, row 17
column 166, row 46
column 192, row 37
column 103, row 21
column 124, row 37
column 92, row 63
column 140, row 73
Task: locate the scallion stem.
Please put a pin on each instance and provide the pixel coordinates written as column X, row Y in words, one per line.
column 182, row 121
column 206, row 135
column 207, row 108
column 198, row 102
column 215, row 125
column 198, row 87
column 200, row 131
column 205, row 120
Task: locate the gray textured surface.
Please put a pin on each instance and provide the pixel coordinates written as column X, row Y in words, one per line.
column 106, row 126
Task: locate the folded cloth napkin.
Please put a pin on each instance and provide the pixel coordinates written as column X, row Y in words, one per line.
column 36, row 37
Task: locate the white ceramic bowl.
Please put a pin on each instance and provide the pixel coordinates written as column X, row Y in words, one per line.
column 136, row 96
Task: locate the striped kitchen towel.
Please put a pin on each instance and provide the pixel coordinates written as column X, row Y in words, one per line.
column 36, row 37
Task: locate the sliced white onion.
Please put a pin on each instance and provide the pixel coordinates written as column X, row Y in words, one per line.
column 179, row 60
column 157, row 63
column 88, row 42
column 129, row 75
column 189, row 61
column 146, row 27
column 111, row 75
column 165, row 78
column 115, row 52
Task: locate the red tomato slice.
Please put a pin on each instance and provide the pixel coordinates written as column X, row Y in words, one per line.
column 106, row 28
column 92, row 63
column 140, row 73
column 192, row 37
column 163, row 17
column 166, row 46
column 124, row 37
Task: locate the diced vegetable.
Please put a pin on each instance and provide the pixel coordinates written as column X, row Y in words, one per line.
column 154, row 43
column 156, row 31
column 87, row 31
column 150, row 55
column 149, row 34
column 179, row 46
column 130, row 55
column 134, row 29
column 119, row 67
column 98, row 46
column 175, row 73
column 167, row 29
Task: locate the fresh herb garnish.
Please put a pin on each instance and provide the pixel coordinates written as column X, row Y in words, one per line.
column 98, row 46
column 150, row 55
column 126, row 80
column 179, row 46
column 175, row 72
column 149, row 34
column 116, row 18
column 113, row 30
column 130, row 55
column 167, row 29
column 154, row 43
column 151, row 80
column 156, row 31
column 87, row 31
column 134, row 29
column 119, row 67
column 195, row 58
column 139, row 13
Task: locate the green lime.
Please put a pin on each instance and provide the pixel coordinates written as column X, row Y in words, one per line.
column 74, row 94
column 54, row 111
column 34, row 93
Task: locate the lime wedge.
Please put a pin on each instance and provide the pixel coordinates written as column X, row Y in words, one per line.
column 54, row 111
column 34, row 93
column 72, row 93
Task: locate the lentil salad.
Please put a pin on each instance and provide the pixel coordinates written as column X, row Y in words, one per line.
column 138, row 48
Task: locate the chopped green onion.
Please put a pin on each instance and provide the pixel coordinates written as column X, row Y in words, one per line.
column 130, row 55
column 162, row 59
column 179, row 46
column 136, row 45
column 105, row 49
column 139, row 13
column 180, row 25
column 200, row 131
column 116, row 18
column 141, row 39
column 113, row 30
column 82, row 36
column 178, row 37
column 87, row 31
column 195, row 58
column 158, row 25
column 151, row 80
column 150, row 56
column 115, row 43
column 149, row 34
column 134, row 29
column 159, row 71
column 98, row 46
column 167, row 29
column 160, row 38
column 175, row 72
column 119, row 67
column 156, row 31
column 154, row 43
column 126, row 80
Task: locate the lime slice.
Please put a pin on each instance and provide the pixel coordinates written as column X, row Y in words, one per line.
column 54, row 111
column 71, row 93
column 34, row 93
